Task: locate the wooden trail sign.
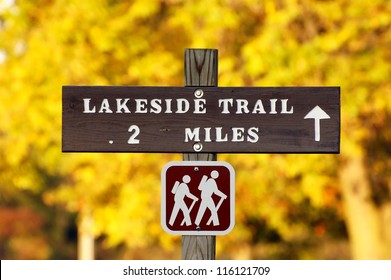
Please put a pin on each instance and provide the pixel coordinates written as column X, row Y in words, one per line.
column 201, row 119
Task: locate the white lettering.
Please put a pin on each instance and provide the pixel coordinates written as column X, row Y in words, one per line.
column 207, row 134
column 273, row 106
column 253, row 136
column 219, row 137
column 192, row 134
column 258, row 108
column 284, row 105
column 199, row 106
column 241, row 106
column 87, row 108
column 105, row 107
column 182, row 106
column 225, row 103
column 186, row 106
column 141, row 105
column 122, row 105
column 168, row 106
column 237, row 134
column 135, row 130
column 156, row 106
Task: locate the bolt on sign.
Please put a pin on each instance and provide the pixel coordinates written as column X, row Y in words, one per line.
column 202, row 119
column 198, row 198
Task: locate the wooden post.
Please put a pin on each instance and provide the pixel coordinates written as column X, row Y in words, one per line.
column 200, row 70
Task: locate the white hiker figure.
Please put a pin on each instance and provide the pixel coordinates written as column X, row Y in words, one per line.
column 208, row 187
column 180, row 191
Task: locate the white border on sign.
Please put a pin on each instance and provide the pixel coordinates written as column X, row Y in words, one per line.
column 198, row 163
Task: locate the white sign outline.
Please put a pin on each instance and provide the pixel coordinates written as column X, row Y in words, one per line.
column 197, row 163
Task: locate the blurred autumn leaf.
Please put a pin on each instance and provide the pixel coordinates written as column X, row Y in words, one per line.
column 287, row 205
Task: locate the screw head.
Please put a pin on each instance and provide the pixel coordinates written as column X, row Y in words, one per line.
column 197, row 147
column 198, row 93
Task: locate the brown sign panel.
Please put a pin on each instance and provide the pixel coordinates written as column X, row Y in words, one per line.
column 206, row 119
column 198, row 197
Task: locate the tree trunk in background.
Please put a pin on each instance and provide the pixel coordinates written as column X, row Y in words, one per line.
column 85, row 242
column 386, row 220
column 369, row 226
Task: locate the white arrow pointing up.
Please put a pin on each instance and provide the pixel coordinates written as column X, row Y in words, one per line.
column 317, row 114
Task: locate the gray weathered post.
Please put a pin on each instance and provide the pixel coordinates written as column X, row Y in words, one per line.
column 200, row 70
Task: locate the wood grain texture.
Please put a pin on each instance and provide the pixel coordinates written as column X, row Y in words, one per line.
column 201, row 67
column 200, row 70
column 276, row 130
column 198, row 247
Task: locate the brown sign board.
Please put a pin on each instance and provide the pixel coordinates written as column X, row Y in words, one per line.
column 201, row 119
column 198, row 197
